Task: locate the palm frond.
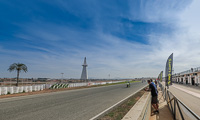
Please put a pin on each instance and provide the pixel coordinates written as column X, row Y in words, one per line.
column 18, row 67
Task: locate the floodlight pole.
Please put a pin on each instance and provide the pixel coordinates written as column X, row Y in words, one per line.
column 62, row 77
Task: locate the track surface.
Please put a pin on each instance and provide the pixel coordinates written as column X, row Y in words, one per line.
column 81, row 104
column 191, row 101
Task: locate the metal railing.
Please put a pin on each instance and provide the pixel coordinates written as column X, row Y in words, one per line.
column 189, row 71
column 179, row 110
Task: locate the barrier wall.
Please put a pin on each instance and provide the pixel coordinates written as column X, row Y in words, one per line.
column 91, row 83
column 30, row 89
column 16, row 89
column 34, row 88
column 10, row 90
column 141, row 110
column 47, row 86
column 25, row 88
column 21, row 89
column 41, row 87
column 38, row 87
column 4, row 90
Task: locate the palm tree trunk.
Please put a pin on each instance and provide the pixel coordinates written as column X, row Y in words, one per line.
column 17, row 78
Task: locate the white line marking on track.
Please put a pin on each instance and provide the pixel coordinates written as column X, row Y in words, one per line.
column 95, row 117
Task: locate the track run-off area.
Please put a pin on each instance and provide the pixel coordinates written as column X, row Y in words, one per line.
column 79, row 104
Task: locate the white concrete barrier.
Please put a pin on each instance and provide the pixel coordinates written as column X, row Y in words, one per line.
column 34, row 88
column 16, row 89
column 88, row 84
column 93, row 84
column 10, row 90
column 25, row 88
column 72, row 85
column 38, row 87
column 21, row 89
column 47, row 86
column 4, row 90
column 41, row 87
column 103, row 83
column 30, row 89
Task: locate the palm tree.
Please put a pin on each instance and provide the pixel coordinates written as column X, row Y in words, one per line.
column 18, row 67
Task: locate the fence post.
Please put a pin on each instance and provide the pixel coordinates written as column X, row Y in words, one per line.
column 174, row 108
column 170, row 102
column 165, row 94
column 180, row 111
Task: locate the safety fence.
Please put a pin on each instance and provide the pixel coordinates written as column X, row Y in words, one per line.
column 179, row 110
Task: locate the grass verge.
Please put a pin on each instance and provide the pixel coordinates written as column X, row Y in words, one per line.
column 119, row 112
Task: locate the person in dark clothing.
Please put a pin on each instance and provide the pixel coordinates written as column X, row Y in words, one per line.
column 156, row 83
column 154, row 94
column 128, row 84
column 153, row 83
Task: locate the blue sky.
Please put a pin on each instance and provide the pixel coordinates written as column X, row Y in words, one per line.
column 123, row 38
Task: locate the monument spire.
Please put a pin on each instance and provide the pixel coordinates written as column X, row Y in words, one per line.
column 84, row 75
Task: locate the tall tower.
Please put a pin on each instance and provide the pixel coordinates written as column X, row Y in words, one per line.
column 84, row 75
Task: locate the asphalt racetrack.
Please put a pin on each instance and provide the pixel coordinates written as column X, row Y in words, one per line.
column 80, row 104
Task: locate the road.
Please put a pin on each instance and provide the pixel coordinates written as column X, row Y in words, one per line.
column 191, row 101
column 81, row 104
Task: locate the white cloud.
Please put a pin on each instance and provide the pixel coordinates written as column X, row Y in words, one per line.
column 108, row 54
column 184, row 42
column 190, row 19
column 157, row 10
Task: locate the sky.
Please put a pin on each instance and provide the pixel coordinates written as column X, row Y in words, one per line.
column 123, row 38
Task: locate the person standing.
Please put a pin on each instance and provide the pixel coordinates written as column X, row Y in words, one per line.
column 156, row 83
column 154, row 94
column 153, row 83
